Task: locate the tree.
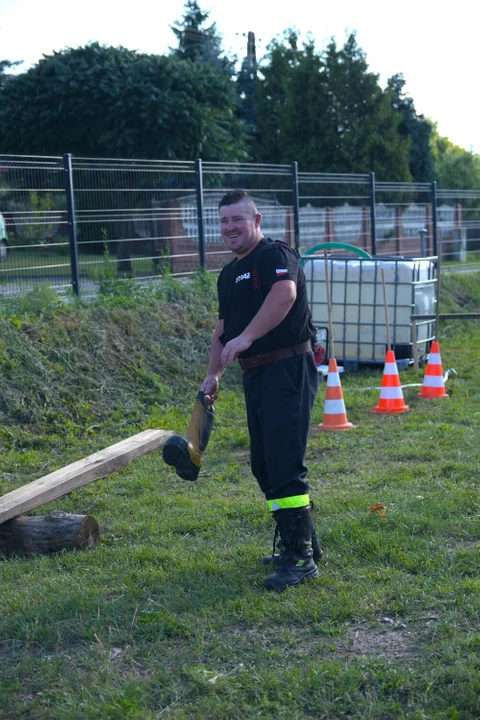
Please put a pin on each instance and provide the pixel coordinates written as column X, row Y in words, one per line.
column 362, row 129
column 105, row 101
column 455, row 167
column 327, row 111
column 273, row 143
column 6, row 65
column 200, row 44
column 414, row 127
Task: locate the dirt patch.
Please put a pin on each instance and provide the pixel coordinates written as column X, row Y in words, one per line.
column 388, row 643
column 464, row 545
column 241, row 456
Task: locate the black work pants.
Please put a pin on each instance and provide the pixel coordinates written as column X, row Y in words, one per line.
column 279, row 399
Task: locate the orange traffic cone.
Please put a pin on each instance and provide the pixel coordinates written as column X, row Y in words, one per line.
column 334, row 415
column 391, row 396
column 433, row 385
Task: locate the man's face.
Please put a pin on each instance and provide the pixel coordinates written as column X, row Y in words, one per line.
column 240, row 227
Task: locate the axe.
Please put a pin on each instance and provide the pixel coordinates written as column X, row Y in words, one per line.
column 185, row 454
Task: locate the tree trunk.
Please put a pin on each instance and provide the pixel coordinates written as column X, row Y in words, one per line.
column 48, row 534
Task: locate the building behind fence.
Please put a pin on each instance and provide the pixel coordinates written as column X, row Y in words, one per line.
column 74, row 222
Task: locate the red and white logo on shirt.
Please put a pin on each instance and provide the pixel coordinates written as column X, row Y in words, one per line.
column 281, row 271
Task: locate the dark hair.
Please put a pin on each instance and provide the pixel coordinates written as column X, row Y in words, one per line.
column 232, row 197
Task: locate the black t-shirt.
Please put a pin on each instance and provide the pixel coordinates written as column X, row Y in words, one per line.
column 243, row 285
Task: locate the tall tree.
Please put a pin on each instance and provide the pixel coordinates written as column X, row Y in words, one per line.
column 414, row 127
column 362, row 129
column 327, row 111
column 198, row 43
column 105, row 101
column 273, row 92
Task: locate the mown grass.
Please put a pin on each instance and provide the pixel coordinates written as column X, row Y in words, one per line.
column 28, row 264
column 167, row 616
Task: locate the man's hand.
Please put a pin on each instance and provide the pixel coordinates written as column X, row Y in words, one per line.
column 210, row 387
column 233, row 348
column 274, row 309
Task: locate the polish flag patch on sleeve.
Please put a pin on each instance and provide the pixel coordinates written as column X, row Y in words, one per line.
column 281, row 271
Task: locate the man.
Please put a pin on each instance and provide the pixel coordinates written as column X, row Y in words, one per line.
column 265, row 322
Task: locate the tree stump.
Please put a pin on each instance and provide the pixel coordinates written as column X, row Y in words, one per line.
column 48, row 534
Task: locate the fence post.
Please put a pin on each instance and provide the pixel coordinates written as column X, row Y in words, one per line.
column 201, row 225
column 296, row 205
column 373, row 227
column 72, row 222
column 434, row 217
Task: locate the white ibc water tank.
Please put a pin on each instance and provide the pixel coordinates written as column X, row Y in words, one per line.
column 358, row 310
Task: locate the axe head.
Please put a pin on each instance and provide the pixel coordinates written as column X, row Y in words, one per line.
column 185, row 454
column 176, row 452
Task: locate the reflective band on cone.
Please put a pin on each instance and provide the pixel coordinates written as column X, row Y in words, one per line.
column 334, row 414
column 433, row 384
column 391, row 395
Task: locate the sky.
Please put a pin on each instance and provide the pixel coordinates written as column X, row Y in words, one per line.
column 435, row 46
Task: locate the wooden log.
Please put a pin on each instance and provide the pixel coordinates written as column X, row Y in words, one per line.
column 48, row 534
column 58, row 483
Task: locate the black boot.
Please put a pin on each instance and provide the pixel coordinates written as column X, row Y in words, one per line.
column 275, row 557
column 296, row 561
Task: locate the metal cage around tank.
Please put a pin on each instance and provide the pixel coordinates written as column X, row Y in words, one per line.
column 358, row 306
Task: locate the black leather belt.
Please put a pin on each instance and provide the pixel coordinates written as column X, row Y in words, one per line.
column 275, row 355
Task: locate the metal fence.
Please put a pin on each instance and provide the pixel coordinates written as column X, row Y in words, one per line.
column 75, row 223
column 34, row 206
column 128, row 217
column 458, row 222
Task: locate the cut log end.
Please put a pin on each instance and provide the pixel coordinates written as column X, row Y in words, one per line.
column 48, row 534
column 88, row 533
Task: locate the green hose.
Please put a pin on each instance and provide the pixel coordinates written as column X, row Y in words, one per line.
column 337, row 246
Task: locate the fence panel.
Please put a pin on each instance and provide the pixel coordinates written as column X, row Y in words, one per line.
column 459, row 225
column 36, row 247
column 404, row 221
column 130, row 218
column 334, row 208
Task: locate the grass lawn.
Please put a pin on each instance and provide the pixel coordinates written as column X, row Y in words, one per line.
column 167, row 616
column 45, row 262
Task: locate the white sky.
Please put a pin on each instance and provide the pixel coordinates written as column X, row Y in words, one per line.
column 434, row 45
